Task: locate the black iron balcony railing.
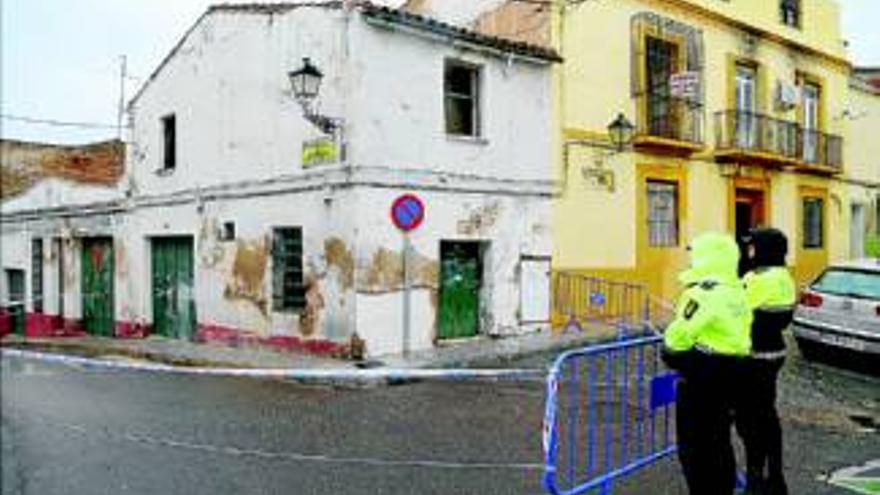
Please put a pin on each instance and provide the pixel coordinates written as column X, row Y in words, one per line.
column 669, row 118
column 776, row 139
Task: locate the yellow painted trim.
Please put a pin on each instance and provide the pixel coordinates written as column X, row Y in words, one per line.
column 645, row 140
column 820, row 169
column 644, row 32
column 804, row 78
column 654, row 264
column 760, row 156
column 586, row 134
column 676, row 173
column 762, row 101
column 688, row 7
column 811, row 260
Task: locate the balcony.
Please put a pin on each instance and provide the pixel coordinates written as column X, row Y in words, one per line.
column 669, row 125
column 757, row 138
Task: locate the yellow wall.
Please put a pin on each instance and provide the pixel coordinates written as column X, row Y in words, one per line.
column 600, row 231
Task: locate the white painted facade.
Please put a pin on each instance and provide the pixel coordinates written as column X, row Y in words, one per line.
column 239, row 159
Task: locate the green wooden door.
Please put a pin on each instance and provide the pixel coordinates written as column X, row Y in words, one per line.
column 174, row 312
column 460, row 282
column 15, row 283
column 97, row 286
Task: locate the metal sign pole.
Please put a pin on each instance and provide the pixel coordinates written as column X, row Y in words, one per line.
column 407, row 308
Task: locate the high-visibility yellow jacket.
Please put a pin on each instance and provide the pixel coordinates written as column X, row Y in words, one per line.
column 713, row 313
column 772, row 296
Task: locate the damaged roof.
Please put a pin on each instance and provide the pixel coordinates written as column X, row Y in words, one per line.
column 23, row 164
column 431, row 25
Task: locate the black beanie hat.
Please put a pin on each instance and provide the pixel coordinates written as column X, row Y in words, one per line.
column 771, row 247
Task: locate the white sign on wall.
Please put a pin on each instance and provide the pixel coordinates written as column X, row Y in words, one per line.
column 685, row 85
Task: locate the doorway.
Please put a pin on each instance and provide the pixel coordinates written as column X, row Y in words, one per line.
column 461, row 281
column 97, row 286
column 750, row 210
column 15, row 285
column 174, row 310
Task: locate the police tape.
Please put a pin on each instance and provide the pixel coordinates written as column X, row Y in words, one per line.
column 298, row 374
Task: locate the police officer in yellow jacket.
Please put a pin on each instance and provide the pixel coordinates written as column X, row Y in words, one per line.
column 772, row 295
column 706, row 343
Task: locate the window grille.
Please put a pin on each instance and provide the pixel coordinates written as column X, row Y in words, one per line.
column 662, row 214
column 288, row 288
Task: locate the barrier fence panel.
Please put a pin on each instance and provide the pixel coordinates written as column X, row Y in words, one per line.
column 610, row 412
column 581, row 300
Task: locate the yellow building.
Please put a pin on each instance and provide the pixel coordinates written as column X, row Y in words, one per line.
column 745, row 114
column 740, row 114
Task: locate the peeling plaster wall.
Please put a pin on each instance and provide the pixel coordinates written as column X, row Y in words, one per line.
column 233, row 279
column 514, row 226
column 239, row 140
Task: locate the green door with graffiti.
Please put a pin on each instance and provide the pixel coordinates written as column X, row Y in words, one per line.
column 97, row 286
column 174, row 308
column 461, row 271
column 15, row 283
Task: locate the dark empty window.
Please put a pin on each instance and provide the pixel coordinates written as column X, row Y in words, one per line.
column 169, row 142
column 791, row 12
column 288, row 290
column 662, row 214
column 228, row 231
column 462, row 99
column 37, row 274
column 814, row 220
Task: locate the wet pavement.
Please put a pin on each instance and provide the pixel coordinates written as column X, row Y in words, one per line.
column 75, row 431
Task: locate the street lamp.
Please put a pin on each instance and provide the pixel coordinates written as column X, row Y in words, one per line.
column 621, row 131
column 306, row 84
column 306, row 81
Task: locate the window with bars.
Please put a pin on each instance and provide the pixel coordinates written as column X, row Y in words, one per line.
column 814, row 223
column 288, row 288
column 37, row 275
column 662, row 213
column 791, row 12
column 662, row 60
column 461, row 91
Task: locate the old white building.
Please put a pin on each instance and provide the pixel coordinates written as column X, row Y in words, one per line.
column 239, row 220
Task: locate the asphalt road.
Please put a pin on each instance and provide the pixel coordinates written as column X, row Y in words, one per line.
column 72, row 431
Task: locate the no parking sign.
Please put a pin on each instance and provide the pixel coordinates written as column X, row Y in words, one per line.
column 408, row 212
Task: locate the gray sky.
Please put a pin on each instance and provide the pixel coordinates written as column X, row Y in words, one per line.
column 60, row 58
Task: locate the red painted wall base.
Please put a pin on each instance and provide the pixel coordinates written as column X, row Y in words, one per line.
column 240, row 338
column 38, row 325
column 133, row 330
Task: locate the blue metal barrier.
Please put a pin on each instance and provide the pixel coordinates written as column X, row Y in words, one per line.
column 610, row 412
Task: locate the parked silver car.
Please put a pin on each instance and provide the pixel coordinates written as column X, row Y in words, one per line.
column 841, row 309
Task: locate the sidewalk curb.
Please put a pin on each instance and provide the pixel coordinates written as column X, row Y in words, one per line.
column 343, row 376
column 52, row 346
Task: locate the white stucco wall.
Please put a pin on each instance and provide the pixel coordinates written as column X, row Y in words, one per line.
column 397, row 108
column 239, row 136
column 227, row 86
